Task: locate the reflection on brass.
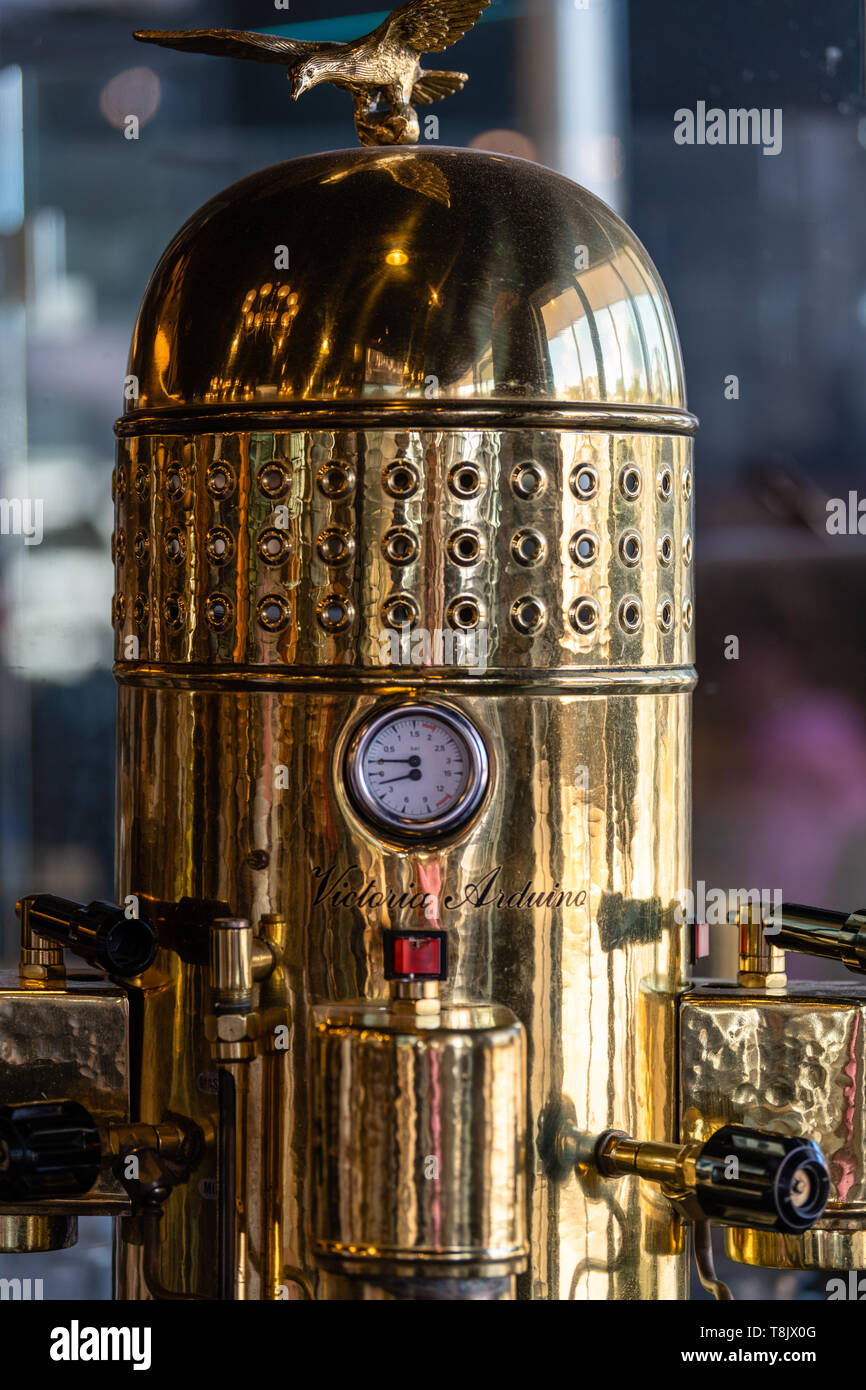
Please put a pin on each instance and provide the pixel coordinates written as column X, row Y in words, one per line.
column 792, row 1063
column 33, row 1234
column 485, row 309
column 381, row 68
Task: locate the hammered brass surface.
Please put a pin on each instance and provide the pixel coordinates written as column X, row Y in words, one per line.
column 231, row 549
column 563, row 914
column 418, row 1142
column 511, row 284
column 794, row 1064
column 69, row 1043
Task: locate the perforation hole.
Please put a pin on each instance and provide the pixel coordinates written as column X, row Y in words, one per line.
column 336, row 547
column 583, row 615
column 399, row 611
column 528, row 615
column 630, row 615
column 464, row 613
column 334, row 613
column 273, row 613
column 218, row 612
column 274, row 546
column 220, row 480
column 583, row 548
column 274, row 479
column 401, row 479
column 665, row 550
column 584, row 482
column 466, row 480
column 630, row 482
column 335, row 480
column 219, row 545
column 400, row 546
column 630, row 548
column 528, row 480
column 528, row 548
column 464, row 547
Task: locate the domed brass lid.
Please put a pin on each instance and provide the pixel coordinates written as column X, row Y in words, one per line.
column 437, row 280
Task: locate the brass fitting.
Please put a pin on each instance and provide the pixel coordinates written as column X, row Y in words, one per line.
column 170, row 1140
column 762, row 964
column 40, row 959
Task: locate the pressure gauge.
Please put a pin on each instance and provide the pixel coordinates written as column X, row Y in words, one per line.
column 417, row 770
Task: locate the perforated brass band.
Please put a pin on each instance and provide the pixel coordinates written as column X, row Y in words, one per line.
column 483, row 551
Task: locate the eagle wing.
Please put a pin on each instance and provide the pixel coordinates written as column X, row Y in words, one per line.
column 230, row 43
column 433, row 86
column 429, row 26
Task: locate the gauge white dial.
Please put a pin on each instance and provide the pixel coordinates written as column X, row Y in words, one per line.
column 416, row 768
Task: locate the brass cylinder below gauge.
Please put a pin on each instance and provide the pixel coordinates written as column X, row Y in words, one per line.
column 418, row 1115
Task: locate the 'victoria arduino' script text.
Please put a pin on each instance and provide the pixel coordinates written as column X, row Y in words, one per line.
column 342, row 889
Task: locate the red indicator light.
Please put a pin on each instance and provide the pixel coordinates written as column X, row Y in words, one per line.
column 417, row 955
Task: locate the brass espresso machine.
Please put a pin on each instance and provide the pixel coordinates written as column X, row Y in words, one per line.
column 393, row 1002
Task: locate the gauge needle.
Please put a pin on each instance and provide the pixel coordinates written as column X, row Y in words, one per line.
column 414, row 776
column 414, row 761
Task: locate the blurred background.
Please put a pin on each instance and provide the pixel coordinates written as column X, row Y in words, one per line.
column 764, row 258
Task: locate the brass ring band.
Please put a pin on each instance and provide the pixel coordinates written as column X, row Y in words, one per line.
column 661, row 680
column 407, row 414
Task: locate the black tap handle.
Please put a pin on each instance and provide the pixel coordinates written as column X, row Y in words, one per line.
column 100, row 933
column 750, row 1177
column 818, row 931
column 48, row 1148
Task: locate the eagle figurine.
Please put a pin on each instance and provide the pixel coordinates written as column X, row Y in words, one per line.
column 382, row 70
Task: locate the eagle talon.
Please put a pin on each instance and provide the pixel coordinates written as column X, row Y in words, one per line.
column 399, row 126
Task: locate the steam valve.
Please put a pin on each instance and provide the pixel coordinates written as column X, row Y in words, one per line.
column 100, row 933
column 48, row 1148
column 738, row 1177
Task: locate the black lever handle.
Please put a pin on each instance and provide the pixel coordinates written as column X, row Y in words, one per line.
column 816, row 931
column 100, row 933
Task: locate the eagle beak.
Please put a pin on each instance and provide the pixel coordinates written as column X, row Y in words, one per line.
column 299, row 86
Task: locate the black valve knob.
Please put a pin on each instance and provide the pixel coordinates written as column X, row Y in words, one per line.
column 100, row 933
column 48, row 1148
column 817, row 931
column 749, row 1177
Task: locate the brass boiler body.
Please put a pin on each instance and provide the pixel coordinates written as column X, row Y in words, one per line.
column 441, row 308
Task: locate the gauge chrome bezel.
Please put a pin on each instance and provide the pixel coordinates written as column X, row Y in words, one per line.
column 406, row 828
